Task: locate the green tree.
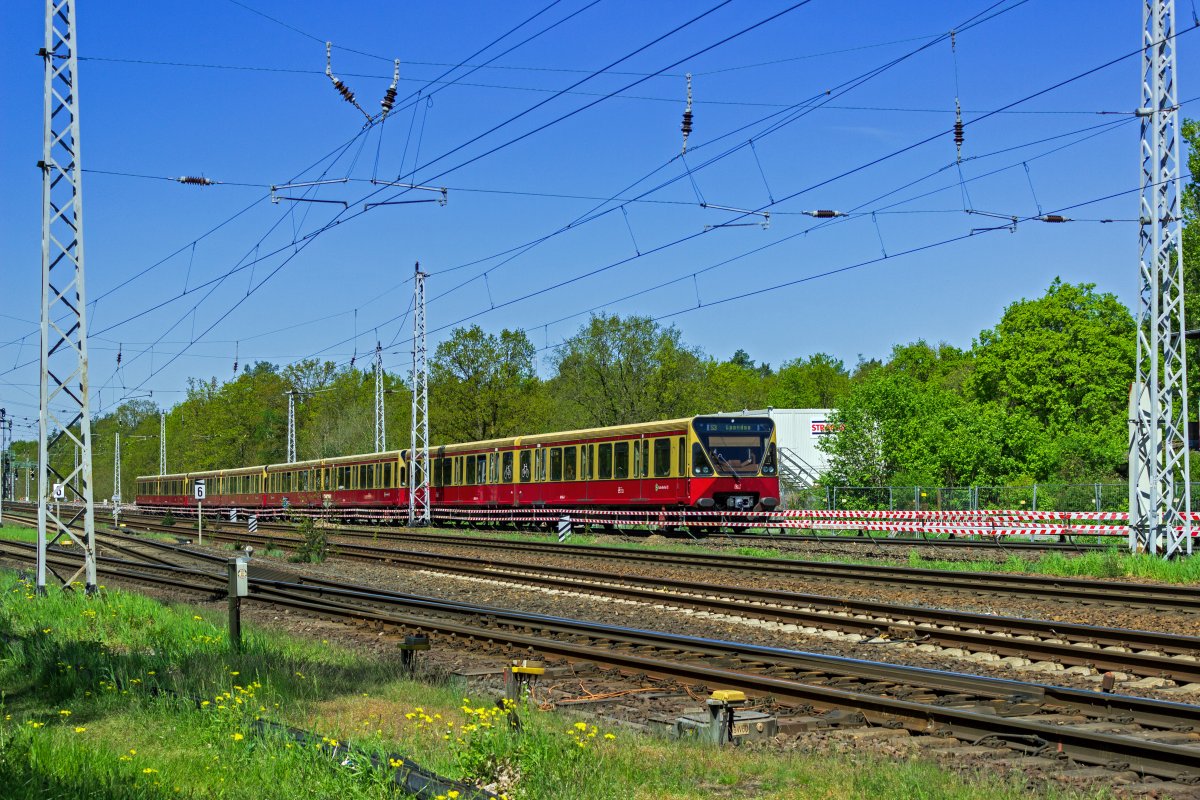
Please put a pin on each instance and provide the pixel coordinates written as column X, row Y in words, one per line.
column 482, row 386
column 617, row 371
column 820, row 381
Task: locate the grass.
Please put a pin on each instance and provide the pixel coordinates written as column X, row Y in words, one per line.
column 118, row 696
column 20, row 533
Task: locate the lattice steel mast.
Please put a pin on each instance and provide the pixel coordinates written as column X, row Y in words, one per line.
column 5, row 427
column 380, row 429
column 63, row 398
column 1159, row 486
column 418, row 461
column 162, row 443
column 291, row 429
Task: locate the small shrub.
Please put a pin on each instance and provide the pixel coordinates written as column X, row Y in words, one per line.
column 168, row 519
column 315, row 547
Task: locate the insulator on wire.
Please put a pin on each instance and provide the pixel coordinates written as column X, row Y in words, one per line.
column 236, row 348
column 686, row 126
column 341, row 88
column 959, row 135
column 1054, row 218
column 119, row 348
column 196, row 180
column 825, row 213
column 389, row 97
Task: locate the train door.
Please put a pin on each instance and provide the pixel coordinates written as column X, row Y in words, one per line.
column 508, row 491
column 524, row 490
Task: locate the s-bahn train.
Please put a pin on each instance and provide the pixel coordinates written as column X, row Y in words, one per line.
column 702, row 463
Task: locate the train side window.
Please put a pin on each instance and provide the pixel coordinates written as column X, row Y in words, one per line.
column 568, row 463
column 662, row 458
column 556, row 464
column 637, row 460
column 681, row 466
column 437, row 472
column 700, row 465
column 387, row 475
column 448, row 477
column 621, row 460
column 525, row 472
column 587, row 454
column 481, row 468
column 539, row 463
column 493, row 467
column 458, row 470
column 470, row 470
column 506, row 475
column 605, row 461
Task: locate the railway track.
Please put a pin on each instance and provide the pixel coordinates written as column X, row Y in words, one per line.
column 1039, row 644
column 1152, row 738
column 1144, row 653
column 1084, row 591
column 982, row 544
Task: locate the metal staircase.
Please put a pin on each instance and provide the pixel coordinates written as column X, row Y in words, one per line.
column 795, row 473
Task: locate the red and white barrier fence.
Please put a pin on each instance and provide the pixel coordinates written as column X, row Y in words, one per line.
column 985, row 523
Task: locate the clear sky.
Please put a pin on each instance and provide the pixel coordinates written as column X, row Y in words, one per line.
column 236, row 92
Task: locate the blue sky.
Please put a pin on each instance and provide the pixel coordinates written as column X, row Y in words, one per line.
column 260, row 111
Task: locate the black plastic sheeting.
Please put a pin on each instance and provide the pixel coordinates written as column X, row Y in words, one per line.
column 409, row 777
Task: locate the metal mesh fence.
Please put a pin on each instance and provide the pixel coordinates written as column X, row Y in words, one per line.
column 1035, row 497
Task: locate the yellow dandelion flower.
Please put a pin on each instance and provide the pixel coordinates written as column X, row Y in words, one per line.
column 80, row 729
column 64, row 713
column 133, row 752
column 581, row 726
column 609, row 736
column 149, row 771
column 33, row 724
column 197, row 617
column 235, row 673
column 237, row 737
column 395, row 762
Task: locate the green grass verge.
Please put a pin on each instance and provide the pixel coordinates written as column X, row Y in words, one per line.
column 118, row 696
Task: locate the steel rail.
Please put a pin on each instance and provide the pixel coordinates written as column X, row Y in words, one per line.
column 1117, row 593
column 969, row 707
column 1146, row 653
column 1044, row 640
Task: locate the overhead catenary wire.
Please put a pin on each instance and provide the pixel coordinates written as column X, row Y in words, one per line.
column 820, row 184
column 707, row 48
column 338, row 218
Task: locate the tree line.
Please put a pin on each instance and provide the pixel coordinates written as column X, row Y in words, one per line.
column 1038, row 397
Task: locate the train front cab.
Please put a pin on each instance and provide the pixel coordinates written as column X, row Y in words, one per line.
column 733, row 464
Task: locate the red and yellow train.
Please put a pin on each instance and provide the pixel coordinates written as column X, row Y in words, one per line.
column 704, row 463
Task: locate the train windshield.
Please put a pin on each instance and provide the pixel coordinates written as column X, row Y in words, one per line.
column 735, row 445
